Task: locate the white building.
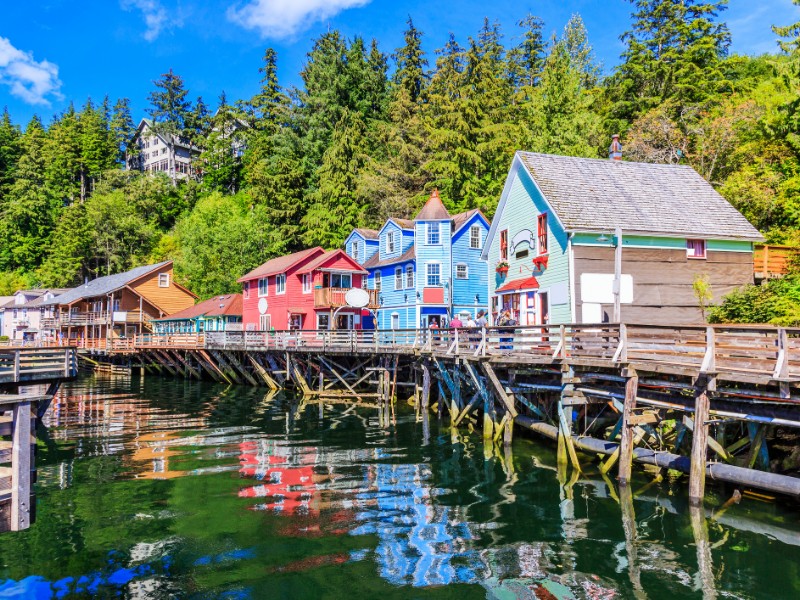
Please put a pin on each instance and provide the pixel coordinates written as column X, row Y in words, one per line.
column 163, row 152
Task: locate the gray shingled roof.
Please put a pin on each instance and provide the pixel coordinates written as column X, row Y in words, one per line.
column 367, row 234
column 375, row 261
column 104, row 285
column 595, row 195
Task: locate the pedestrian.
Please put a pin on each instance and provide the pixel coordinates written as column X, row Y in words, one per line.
column 455, row 322
column 434, row 327
column 480, row 321
column 506, row 321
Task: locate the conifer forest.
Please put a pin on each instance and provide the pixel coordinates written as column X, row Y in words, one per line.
column 372, row 130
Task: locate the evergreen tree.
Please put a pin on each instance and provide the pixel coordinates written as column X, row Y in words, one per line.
column 122, row 130
column 170, row 109
column 221, row 158
column 10, row 151
column 61, row 146
column 581, row 55
column 70, row 251
column 96, row 147
column 198, row 123
column 526, row 60
column 674, row 54
column 410, row 63
column 267, row 108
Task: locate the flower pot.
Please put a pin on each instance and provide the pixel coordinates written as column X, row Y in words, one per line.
column 502, row 270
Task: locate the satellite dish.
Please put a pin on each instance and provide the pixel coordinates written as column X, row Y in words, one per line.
column 262, row 305
column 356, row 297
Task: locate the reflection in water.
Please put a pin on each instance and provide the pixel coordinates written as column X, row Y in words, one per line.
column 159, row 488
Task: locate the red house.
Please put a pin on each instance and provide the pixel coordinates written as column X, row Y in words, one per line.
column 304, row 290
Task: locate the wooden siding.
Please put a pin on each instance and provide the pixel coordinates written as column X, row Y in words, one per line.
column 433, row 254
column 523, row 205
column 402, row 240
column 465, row 290
column 773, row 261
column 169, row 299
column 367, row 248
column 402, row 301
column 662, row 280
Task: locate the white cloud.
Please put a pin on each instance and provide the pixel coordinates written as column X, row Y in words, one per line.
column 284, row 18
column 28, row 79
column 155, row 16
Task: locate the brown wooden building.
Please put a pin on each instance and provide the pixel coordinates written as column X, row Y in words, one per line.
column 121, row 305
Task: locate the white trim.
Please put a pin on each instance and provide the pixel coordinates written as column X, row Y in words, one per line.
column 480, row 238
column 281, row 277
column 165, row 277
column 428, row 230
column 395, row 223
column 466, row 271
column 266, row 287
column 306, row 278
column 427, row 264
column 399, row 271
column 571, row 278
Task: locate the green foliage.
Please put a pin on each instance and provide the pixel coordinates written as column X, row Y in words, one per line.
column 701, row 287
column 776, row 301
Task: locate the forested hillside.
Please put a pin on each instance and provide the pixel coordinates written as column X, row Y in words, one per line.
column 372, row 130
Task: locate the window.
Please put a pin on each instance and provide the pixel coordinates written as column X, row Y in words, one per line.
column 378, row 280
column 434, row 238
column 263, row 286
column 163, row 280
column 462, row 272
column 306, row 283
column 409, row 276
column 246, row 289
column 504, row 244
column 323, row 321
column 696, row 248
column 398, row 278
column 354, row 251
column 395, row 320
column 280, row 283
column 264, row 322
column 541, row 228
column 155, row 142
column 475, row 237
column 341, row 280
column 521, row 253
column 390, row 247
column 434, row 274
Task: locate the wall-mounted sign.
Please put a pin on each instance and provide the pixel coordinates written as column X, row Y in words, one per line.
column 523, row 237
column 356, row 297
column 262, row 306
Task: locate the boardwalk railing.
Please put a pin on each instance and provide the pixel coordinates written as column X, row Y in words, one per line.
column 20, row 365
column 755, row 352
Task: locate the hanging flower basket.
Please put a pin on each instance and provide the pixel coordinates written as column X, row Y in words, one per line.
column 540, row 262
column 502, row 267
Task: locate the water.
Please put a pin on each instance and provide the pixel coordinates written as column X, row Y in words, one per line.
column 162, row 488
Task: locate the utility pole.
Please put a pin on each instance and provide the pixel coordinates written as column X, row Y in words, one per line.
column 617, row 274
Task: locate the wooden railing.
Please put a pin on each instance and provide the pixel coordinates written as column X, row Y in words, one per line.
column 20, row 365
column 79, row 319
column 752, row 352
column 771, row 261
column 335, row 297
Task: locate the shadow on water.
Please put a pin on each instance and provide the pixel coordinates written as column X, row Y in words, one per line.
column 156, row 488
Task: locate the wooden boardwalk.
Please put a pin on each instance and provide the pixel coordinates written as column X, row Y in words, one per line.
column 707, row 401
column 40, row 367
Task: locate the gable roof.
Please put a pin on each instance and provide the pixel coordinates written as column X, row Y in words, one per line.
column 105, row 285
column 167, row 138
column 322, row 259
column 590, row 194
column 433, row 210
column 406, row 224
column 367, row 234
column 461, row 219
column 375, row 261
column 281, row 264
column 227, row 305
column 40, row 301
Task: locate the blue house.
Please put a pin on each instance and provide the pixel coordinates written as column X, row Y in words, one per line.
column 426, row 269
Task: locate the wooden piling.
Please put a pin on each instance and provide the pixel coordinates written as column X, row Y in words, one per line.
column 697, row 473
column 626, row 441
column 21, row 467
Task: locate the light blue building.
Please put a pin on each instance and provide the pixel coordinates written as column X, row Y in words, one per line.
column 425, row 269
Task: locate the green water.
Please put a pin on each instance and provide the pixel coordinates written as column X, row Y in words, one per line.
column 162, row 488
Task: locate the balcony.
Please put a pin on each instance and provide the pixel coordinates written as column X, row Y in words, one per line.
column 79, row 319
column 334, row 298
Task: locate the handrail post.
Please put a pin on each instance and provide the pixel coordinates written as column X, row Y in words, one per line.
column 17, row 356
column 782, row 361
column 483, row 341
column 710, row 360
column 67, row 363
column 457, row 343
column 563, row 332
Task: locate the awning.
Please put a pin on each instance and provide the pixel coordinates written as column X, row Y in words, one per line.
column 529, row 283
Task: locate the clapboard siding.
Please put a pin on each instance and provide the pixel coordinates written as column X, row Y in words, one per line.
column 663, row 278
column 168, row 299
column 522, row 207
column 465, row 291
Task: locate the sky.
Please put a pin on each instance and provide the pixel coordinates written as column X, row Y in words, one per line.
column 56, row 51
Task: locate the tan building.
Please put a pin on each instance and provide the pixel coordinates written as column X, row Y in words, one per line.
column 118, row 306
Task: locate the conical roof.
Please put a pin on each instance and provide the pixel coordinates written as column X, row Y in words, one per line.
column 433, row 210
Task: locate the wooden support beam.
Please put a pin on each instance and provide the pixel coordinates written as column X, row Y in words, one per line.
column 166, row 362
column 626, row 441
column 211, row 362
column 189, row 368
column 225, row 367
column 21, row 467
column 233, row 360
column 499, row 390
column 697, row 472
column 262, row 372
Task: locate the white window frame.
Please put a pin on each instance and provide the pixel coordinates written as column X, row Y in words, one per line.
column 264, row 322
column 395, row 321
column 466, row 271
column 431, row 228
column 341, row 275
column 306, row 278
column 391, row 246
column 263, row 290
column 428, row 274
column 377, row 278
column 398, row 278
column 321, row 316
column 354, row 249
column 475, row 232
column 163, row 280
column 280, row 284
column 704, row 246
column 409, row 276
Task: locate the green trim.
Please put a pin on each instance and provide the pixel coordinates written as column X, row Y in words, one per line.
column 663, row 243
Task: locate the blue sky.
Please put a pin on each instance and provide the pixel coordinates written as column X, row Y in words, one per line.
column 54, row 51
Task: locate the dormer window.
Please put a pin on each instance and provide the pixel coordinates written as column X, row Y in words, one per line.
column 475, row 237
column 355, row 251
column 163, row 280
column 390, row 245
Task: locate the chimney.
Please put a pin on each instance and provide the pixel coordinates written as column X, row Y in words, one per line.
column 615, row 149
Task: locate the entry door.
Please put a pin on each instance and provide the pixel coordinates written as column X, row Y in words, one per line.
column 344, row 321
column 544, row 308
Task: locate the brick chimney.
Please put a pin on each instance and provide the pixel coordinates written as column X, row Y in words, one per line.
column 615, row 149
